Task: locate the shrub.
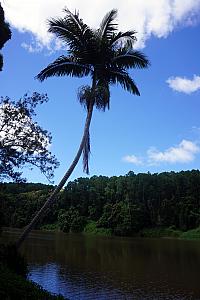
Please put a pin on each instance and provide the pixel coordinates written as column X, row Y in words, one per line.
column 191, row 234
column 13, row 260
column 91, row 228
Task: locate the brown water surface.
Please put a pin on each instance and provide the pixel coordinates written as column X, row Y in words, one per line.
column 90, row 267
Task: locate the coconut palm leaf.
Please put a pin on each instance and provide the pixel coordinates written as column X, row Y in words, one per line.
column 71, row 32
column 107, row 27
column 122, row 77
column 86, row 153
column 60, row 28
column 64, row 66
column 119, row 38
column 100, row 96
column 130, row 59
column 73, row 19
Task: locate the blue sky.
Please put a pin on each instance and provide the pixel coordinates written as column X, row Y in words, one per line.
column 158, row 131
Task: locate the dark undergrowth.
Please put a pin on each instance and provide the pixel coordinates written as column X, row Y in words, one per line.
column 14, row 284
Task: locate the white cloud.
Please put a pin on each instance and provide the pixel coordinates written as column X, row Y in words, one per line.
column 33, row 47
column 132, row 159
column 147, row 17
column 182, row 153
column 184, row 85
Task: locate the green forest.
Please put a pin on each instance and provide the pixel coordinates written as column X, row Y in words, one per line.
column 117, row 205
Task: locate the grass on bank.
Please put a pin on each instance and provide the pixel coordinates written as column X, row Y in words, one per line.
column 170, row 232
column 192, row 234
column 158, row 232
column 91, row 228
column 50, row 227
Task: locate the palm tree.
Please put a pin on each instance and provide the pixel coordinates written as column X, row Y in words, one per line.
column 105, row 55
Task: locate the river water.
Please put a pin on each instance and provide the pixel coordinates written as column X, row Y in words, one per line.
column 91, row 267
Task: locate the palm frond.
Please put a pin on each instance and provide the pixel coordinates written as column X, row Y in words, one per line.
column 76, row 25
column 86, row 153
column 107, row 27
column 84, row 95
column 122, row 77
column 100, row 95
column 74, row 19
column 120, row 38
column 71, row 30
column 60, row 28
column 130, row 59
column 64, row 66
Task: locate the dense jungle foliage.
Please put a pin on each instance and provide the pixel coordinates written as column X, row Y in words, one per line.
column 122, row 205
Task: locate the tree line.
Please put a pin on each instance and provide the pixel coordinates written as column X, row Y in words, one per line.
column 123, row 205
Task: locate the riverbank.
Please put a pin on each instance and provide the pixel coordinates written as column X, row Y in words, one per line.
column 151, row 233
column 13, row 286
column 171, row 232
column 158, row 232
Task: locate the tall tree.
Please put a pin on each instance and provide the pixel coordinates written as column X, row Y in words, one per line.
column 106, row 55
column 23, row 141
column 5, row 33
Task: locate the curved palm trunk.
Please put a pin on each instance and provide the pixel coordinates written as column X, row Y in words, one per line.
column 52, row 197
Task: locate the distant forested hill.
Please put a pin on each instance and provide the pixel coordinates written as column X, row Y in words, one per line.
column 121, row 205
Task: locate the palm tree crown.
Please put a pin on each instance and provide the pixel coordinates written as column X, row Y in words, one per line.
column 104, row 54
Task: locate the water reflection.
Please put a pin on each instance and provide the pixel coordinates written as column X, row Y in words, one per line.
column 86, row 267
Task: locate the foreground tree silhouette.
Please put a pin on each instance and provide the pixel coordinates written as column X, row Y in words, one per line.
column 22, row 141
column 105, row 55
